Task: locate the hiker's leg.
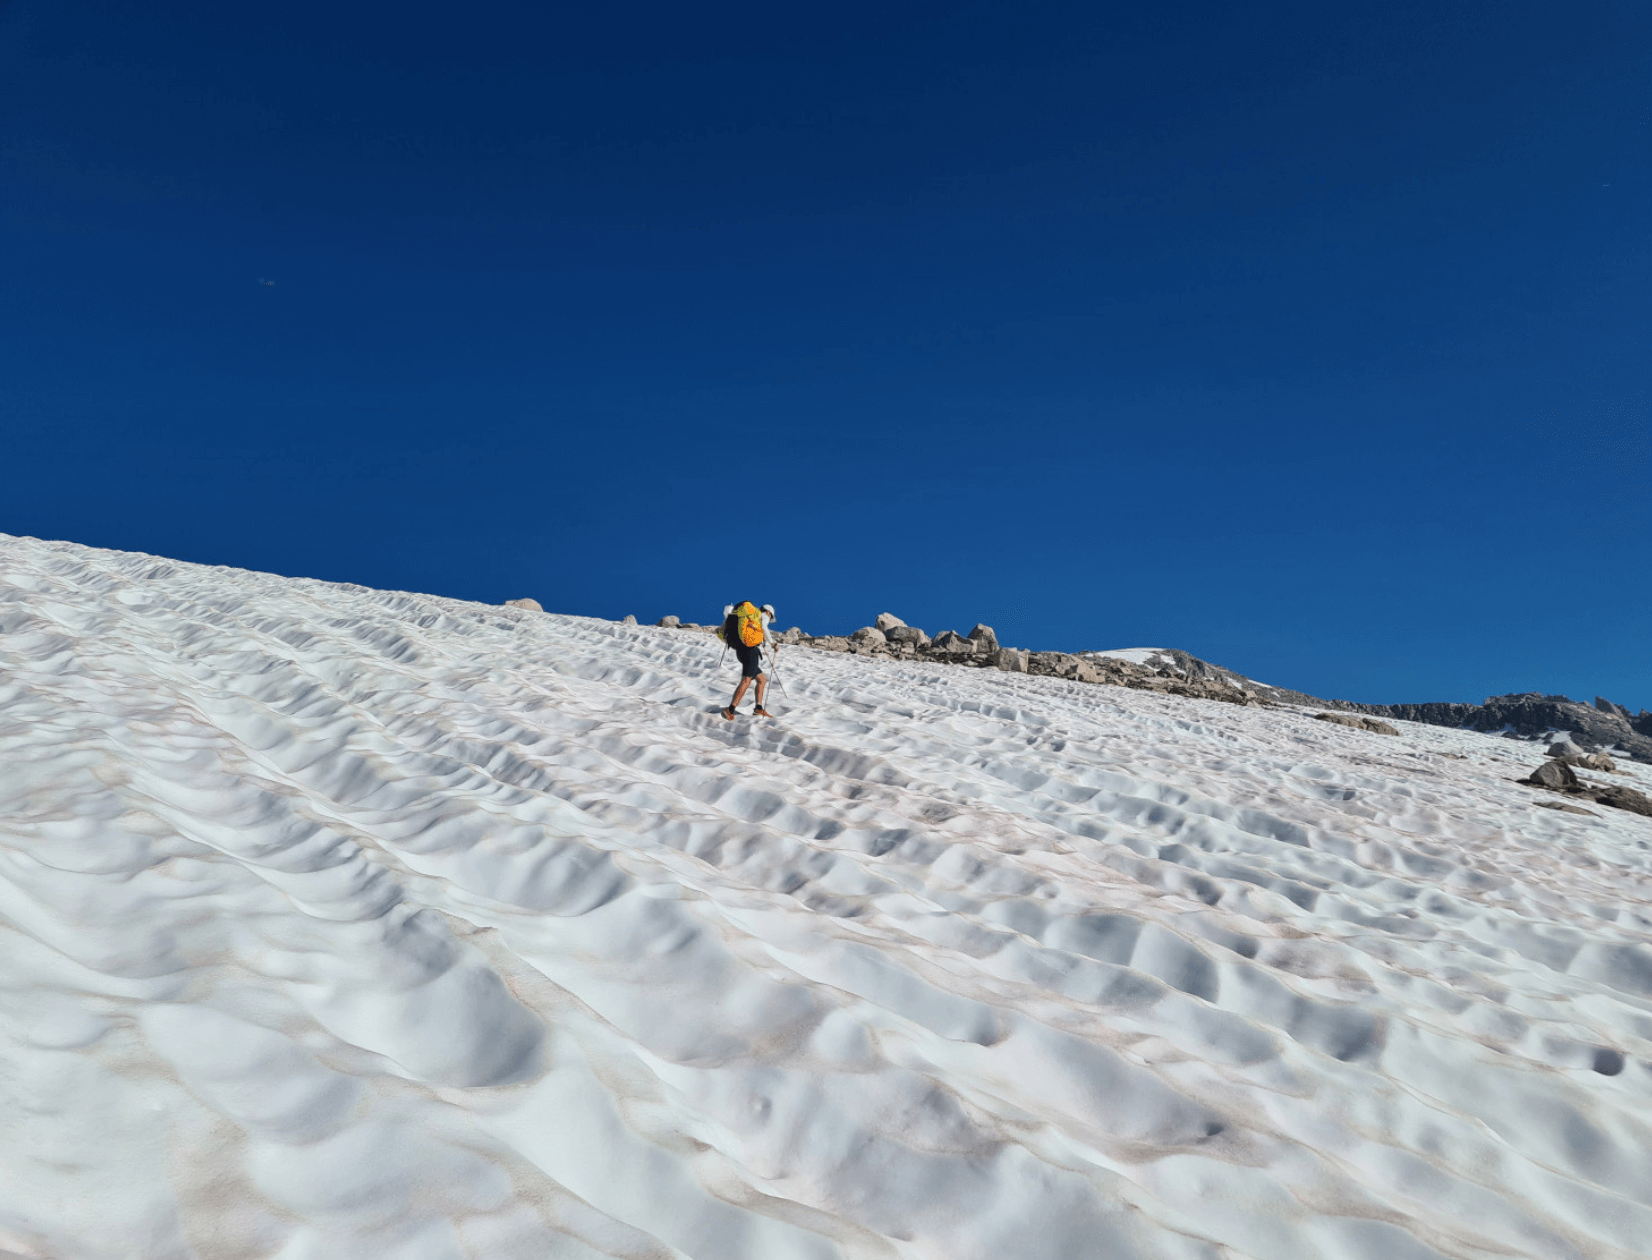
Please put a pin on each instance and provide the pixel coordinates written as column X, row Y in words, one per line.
column 740, row 693
column 762, row 686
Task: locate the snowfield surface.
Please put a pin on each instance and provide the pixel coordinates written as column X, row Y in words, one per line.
column 339, row 923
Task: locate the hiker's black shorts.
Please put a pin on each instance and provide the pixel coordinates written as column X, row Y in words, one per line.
column 750, row 660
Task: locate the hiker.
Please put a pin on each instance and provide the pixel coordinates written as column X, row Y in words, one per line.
column 746, row 630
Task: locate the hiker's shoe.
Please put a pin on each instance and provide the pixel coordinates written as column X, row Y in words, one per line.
column 728, row 713
column 760, row 712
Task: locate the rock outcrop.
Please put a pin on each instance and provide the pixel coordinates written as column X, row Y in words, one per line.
column 1620, row 797
column 1529, row 714
column 670, row 623
column 532, row 605
column 981, row 649
column 1359, row 722
column 867, row 639
column 1565, row 751
column 892, row 637
column 1122, row 673
column 1565, row 808
column 1557, row 776
column 1065, row 665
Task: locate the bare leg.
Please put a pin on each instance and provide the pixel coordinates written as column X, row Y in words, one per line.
column 762, row 686
column 740, row 694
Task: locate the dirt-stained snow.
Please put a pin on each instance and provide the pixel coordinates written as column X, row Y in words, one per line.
column 346, row 923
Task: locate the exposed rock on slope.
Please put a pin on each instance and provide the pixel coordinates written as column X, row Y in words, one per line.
column 1359, row 722
column 1568, row 752
column 1530, row 714
column 1557, row 776
column 1175, row 673
column 1174, row 663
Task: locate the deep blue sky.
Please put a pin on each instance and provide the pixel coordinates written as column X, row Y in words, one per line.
column 1310, row 338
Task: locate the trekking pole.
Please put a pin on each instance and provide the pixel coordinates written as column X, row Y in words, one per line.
column 773, row 657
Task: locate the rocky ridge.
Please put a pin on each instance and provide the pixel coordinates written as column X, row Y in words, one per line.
column 1527, row 715
column 1530, row 715
column 1177, row 674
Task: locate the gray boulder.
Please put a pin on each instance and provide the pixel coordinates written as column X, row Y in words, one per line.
column 629, row 620
column 1557, row 776
column 908, row 636
column 951, row 641
column 794, row 635
column 1564, row 748
column 1599, row 761
column 868, row 636
column 1011, row 660
column 887, row 622
column 983, row 638
column 670, row 623
column 532, row 605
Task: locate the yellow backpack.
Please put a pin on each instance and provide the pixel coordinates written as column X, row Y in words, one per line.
column 748, row 624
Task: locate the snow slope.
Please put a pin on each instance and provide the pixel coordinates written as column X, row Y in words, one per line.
column 345, row 923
